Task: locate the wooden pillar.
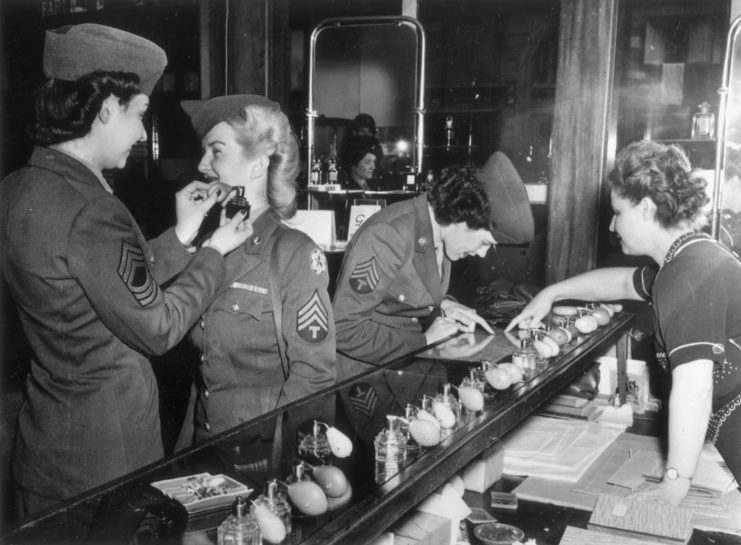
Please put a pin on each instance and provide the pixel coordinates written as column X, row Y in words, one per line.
column 247, row 24
column 586, row 58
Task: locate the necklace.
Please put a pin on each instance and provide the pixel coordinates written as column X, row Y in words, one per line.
column 677, row 245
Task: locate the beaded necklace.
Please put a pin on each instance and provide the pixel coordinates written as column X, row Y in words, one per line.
column 679, row 243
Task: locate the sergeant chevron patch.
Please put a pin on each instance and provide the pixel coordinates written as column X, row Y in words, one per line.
column 364, row 398
column 133, row 270
column 365, row 276
column 312, row 320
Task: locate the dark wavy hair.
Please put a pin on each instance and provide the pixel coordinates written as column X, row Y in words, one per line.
column 458, row 197
column 65, row 110
column 662, row 173
column 357, row 147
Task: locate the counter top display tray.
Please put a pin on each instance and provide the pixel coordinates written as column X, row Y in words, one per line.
column 203, row 492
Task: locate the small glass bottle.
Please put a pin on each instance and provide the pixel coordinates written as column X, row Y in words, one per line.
column 239, row 528
column 316, row 172
column 413, row 448
column 526, row 356
column 277, row 502
column 391, row 448
column 703, row 122
column 447, row 400
column 332, row 171
column 314, row 447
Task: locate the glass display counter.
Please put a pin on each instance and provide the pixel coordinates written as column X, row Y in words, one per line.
column 131, row 510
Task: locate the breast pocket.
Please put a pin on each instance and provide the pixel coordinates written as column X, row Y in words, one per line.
column 234, row 319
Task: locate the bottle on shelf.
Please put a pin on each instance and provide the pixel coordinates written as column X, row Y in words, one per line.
column 703, row 122
column 316, row 172
column 332, row 172
column 525, row 357
column 391, row 448
column 239, row 528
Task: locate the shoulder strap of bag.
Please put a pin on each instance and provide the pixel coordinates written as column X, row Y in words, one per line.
column 277, row 306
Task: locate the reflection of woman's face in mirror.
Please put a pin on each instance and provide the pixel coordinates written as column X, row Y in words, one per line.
column 364, row 169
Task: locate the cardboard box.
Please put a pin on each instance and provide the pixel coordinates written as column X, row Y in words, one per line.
column 418, row 528
column 486, row 470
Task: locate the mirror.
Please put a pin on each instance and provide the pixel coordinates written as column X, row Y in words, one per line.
column 371, row 65
column 726, row 194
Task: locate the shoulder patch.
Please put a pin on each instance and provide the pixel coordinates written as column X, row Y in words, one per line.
column 364, row 398
column 133, row 270
column 365, row 276
column 312, row 320
column 318, row 261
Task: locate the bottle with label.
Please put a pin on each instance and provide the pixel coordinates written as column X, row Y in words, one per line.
column 332, row 171
column 240, row 528
column 391, row 449
column 703, row 122
column 410, row 180
column 316, row 172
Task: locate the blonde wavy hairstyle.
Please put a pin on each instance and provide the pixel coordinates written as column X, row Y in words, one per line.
column 265, row 129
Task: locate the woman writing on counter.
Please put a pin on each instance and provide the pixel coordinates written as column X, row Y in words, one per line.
column 268, row 338
column 659, row 204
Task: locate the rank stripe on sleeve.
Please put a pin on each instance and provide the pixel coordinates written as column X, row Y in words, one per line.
column 133, row 270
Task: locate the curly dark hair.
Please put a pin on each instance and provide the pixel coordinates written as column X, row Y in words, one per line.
column 357, row 147
column 662, row 173
column 459, row 197
column 65, row 110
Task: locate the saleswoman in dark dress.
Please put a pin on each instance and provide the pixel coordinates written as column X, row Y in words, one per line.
column 659, row 203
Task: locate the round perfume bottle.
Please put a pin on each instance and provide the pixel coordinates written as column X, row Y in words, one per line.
column 275, row 500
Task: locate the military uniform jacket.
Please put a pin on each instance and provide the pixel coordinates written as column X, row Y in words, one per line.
column 389, row 282
column 86, row 284
column 240, row 370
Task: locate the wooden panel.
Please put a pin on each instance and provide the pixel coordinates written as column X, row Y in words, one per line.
column 583, row 95
column 247, row 47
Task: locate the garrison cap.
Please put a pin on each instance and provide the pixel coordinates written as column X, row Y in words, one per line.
column 508, row 201
column 204, row 114
column 74, row 51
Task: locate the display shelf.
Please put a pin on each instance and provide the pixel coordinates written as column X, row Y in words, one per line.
column 120, row 510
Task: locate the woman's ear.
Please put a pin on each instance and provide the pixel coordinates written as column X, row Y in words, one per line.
column 107, row 109
column 648, row 208
column 260, row 165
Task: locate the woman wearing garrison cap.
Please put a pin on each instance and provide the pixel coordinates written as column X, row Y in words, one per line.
column 268, row 337
column 86, row 282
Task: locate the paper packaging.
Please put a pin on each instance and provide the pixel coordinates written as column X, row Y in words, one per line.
column 485, row 471
column 447, row 504
column 418, row 528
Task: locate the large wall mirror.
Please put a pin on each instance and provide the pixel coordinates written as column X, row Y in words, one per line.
column 370, row 65
column 726, row 218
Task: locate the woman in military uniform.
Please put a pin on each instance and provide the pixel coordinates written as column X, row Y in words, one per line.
column 86, row 282
column 275, row 291
column 659, row 205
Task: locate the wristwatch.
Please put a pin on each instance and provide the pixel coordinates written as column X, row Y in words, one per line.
column 672, row 474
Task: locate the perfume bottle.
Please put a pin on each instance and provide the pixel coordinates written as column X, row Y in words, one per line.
column 703, row 122
column 314, row 447
column 525, row 357
column 446, row 407
column 391, row 448
column 413, row 448
column 237, row 203
column 277, row 502
column 239, row 528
